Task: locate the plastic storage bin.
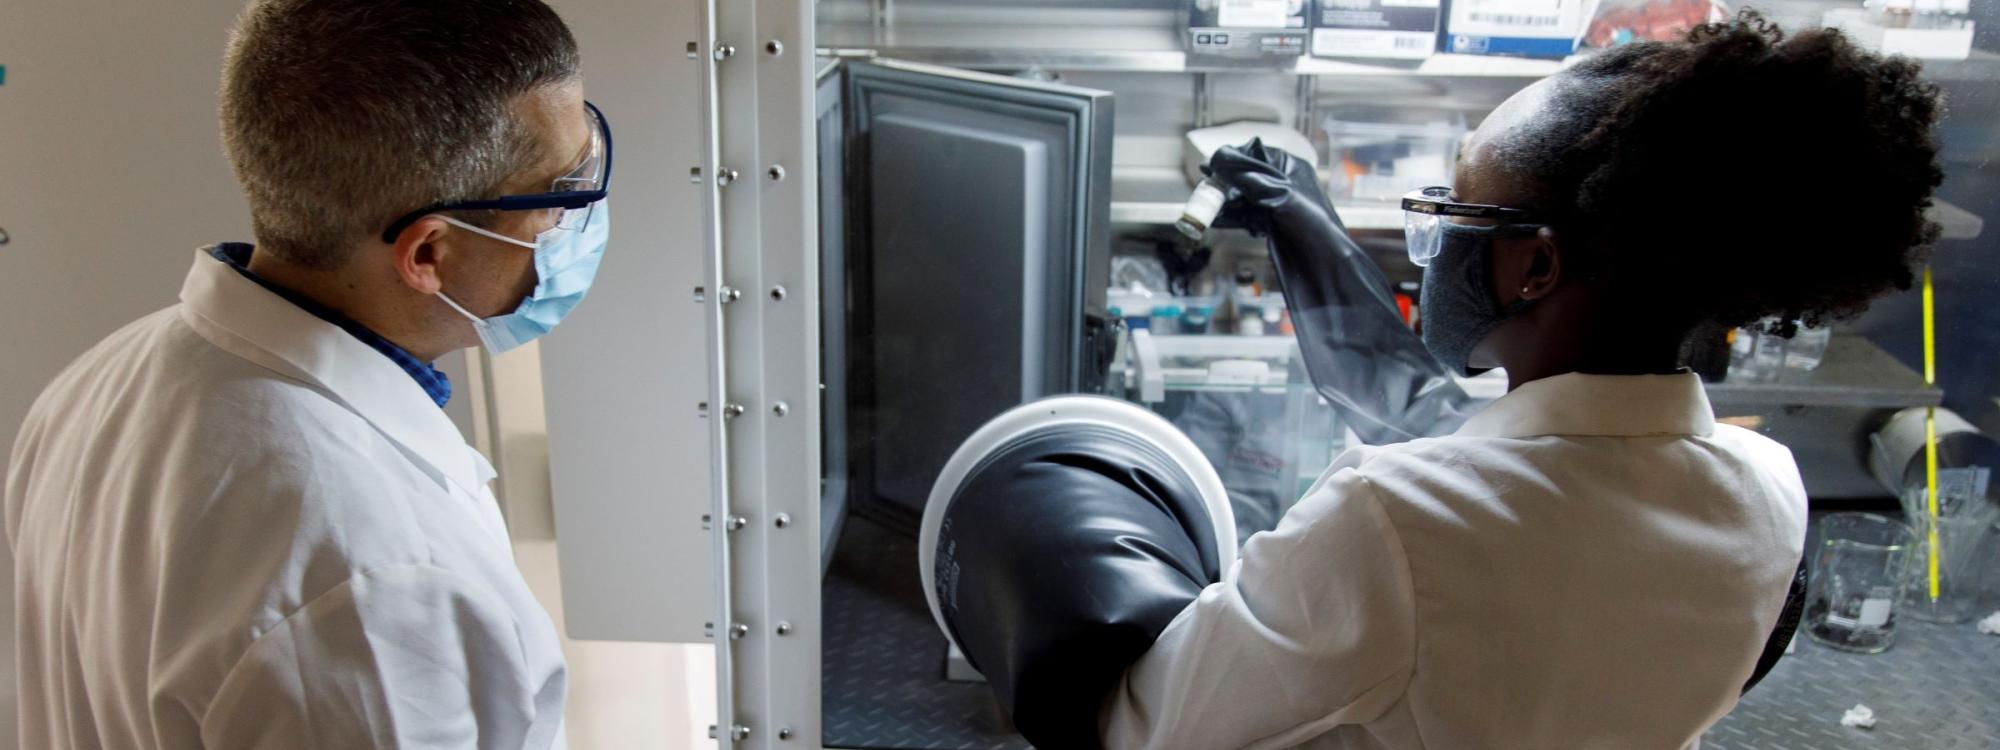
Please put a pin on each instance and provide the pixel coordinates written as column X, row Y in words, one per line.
column 1378, row 153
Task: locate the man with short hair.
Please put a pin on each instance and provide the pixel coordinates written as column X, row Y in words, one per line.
column 245, row 520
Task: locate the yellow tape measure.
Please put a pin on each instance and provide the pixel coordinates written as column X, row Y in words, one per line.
column 1930, row 434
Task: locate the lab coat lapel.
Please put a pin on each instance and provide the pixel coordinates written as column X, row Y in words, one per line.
column 249, row 321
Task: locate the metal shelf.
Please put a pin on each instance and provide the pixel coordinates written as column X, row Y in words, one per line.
column 1154, row 196
column 1008, row 43
column 1855, row 373
column 1147, row 49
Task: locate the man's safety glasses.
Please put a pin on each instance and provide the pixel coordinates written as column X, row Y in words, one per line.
column 575, row 194
column 1427, row 211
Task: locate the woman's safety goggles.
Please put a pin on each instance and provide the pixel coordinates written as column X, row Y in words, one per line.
column 574, row 195
column 1429, row 215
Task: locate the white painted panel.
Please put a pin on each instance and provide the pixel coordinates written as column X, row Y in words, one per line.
column 629, row 456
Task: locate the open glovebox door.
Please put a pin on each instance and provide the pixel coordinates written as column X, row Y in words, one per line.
column 964, row 239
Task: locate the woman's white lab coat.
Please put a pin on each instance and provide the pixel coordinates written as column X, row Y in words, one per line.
column 1591, row 562
column 235, row 525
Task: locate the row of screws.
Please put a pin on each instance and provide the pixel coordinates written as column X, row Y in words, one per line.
column 724, row 177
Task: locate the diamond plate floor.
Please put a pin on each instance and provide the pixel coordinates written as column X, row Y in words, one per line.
column 883, row 675
column 1937, row 689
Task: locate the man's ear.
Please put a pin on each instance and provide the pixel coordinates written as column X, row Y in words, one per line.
column 417, row 253
column 1544, row 265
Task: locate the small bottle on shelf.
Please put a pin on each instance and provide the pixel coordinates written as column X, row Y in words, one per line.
column 1249, row 297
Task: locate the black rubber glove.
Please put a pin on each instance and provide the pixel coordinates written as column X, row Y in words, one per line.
column 1059, row 561
column 1781, row 636
column 1362, row 358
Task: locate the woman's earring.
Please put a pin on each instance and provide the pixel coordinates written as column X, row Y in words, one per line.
column 1524, row 291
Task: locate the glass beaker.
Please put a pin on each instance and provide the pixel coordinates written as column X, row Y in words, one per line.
column 1857, row 575
column 1966, row 545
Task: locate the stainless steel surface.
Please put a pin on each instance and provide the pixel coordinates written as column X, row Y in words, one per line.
column 885, row 683
column 1935, row 689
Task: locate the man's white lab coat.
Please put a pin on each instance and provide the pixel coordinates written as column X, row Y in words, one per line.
column 1592, row 562
column 236, row 525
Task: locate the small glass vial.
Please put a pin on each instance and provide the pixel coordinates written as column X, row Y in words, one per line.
column 1199, row 212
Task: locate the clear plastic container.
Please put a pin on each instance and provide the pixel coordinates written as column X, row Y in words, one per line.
column 1758, row 357
column 1378, row 153
column 1808, row 348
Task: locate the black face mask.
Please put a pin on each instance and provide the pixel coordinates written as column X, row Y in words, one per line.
column 1458, row 306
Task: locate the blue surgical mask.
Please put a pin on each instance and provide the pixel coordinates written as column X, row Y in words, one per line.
column 565, row 262
column 1458, row 306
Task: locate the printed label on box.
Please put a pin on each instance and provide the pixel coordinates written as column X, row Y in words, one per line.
column 1414, row 45
column 1375, row 28
column 1254, row 14
column 1537, row 28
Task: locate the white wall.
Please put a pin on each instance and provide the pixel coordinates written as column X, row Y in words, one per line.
column 111, row 174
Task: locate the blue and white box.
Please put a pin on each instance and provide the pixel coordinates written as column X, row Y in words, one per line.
column 1519, row 28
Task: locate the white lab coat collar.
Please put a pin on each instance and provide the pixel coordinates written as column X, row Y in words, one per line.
column 1579, row 405
column 249, row 321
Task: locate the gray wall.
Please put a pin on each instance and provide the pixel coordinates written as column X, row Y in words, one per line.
column 110, row 175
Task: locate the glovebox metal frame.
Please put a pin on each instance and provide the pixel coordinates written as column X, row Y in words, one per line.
column 762, row 298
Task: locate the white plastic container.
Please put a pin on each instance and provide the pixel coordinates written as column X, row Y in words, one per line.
column 1949, row 39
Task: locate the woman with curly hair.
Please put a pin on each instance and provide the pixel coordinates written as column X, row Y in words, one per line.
column 1592, row 561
